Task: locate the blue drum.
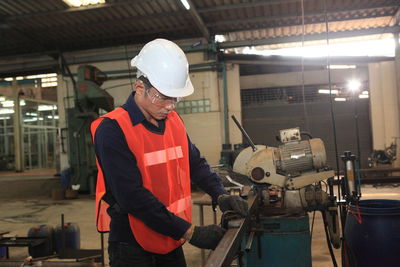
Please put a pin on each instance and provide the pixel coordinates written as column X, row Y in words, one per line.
column 372, row 233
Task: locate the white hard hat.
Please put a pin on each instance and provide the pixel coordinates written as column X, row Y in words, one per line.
column 165, row 65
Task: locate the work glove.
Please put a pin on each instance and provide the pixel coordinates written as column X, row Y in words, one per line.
column 206, row 237
column 234, row 203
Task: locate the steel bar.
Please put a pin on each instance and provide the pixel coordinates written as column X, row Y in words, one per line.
column 230, row 243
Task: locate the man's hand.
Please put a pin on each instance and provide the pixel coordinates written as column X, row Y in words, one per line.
column 206, row 237
column 235, row 203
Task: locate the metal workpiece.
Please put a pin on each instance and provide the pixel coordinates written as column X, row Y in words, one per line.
column 229, row 245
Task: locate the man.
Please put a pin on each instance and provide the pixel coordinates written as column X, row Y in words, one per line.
column 145, row 164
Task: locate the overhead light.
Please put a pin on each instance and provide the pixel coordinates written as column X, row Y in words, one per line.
column 49, row 84
column 365, row 93
column 6, row 111
column 340, row 67
column 46, row 107
column 50, row 79
column 363, row 96
column 78, row 3
column 2, row 98
column 340, row 99
column 354, row 85
column 9, row 79
column 46, row 75
column 219, row 38
column 51, row 117
column 7, row 104
column 30, row 119
column 327, row 91
column 185, row 4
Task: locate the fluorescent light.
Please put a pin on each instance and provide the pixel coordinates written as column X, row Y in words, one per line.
column 365, row 93
column 5, row 118
column 78, row 3
column 363, row 96
column 51, row 117
column 354, row 85
column 340, row 99
column 9, row 79
column 46, row 75
column 219, row 38
column 341, row 67
column 49, row 84
column 327, row 91
column 46, row 107
column 6, row 111
column 185, row 4
column 7, row 103
column 30, row 119
column 2, row 98
column 50, row 79
column 22, row 102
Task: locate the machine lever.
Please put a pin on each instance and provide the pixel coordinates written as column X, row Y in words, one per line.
column 244, row 133
column 249, row 241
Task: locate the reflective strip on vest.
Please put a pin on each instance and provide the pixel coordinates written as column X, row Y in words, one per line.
column 180, row 205
column 162, row 156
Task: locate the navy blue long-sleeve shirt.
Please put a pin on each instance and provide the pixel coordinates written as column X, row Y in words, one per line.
column 124, row 181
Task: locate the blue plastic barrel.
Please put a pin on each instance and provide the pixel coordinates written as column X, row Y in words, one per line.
column 72, row 236
column 375, row 239
column 45, row 248
column 3, row 252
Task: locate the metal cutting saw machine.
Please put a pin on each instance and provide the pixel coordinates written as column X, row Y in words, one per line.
column 288, row 181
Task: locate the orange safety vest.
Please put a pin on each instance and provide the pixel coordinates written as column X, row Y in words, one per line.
column 163, row 161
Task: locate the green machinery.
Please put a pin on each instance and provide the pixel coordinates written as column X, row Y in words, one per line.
column 89, row 100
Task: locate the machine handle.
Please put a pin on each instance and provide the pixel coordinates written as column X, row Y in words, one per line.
column 244, row 133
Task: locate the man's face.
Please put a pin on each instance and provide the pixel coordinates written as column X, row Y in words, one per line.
column 157, row 105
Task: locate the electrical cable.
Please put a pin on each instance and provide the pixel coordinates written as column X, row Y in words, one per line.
column 302, row 68
column 328, row 240
column 334, row 135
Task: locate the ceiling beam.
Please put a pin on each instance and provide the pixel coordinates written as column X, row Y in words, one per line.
column 198, row 20
column 258, row 3
column 396, row 18
column 309, row 37
column 107, row 24
column 244, row 5
column 74, row 9
column 309, row 15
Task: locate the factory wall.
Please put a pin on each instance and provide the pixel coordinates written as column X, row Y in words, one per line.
column 206, row 129
column 264, row 120
column 384, row 105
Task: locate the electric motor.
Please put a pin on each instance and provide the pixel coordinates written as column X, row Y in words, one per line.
column 301, row 156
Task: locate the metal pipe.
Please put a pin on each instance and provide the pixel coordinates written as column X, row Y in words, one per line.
column 226, row 119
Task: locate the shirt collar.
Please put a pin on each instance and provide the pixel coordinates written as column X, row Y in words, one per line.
column 134, row 111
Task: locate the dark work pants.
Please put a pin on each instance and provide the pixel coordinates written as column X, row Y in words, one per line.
column 131, row 255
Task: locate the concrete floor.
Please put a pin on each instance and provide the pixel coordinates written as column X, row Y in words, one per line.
column 19, row 215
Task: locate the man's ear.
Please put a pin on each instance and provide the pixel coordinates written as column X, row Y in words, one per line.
column 139, row 87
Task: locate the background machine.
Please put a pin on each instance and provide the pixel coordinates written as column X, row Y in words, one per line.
column 89, row 100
